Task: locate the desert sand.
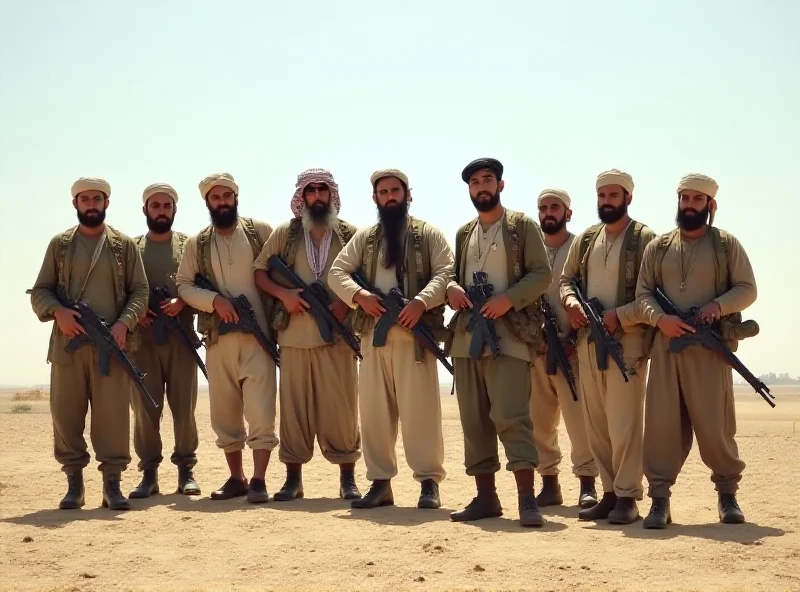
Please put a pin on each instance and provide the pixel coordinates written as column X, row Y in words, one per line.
column 172, row 542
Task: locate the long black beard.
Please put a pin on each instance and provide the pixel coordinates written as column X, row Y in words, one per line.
column 692, row 221
column 92, row 221
column 485, row 206
column 319, row 212
column 224, row 218
column 393, row 220
column 552, row 226
column 610, row 214
column 160, row 225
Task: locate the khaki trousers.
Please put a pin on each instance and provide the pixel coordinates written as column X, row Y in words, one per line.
column 394, row 387
column 690, row 390
column 494, row 401
column 613, row 416
column 242, row 386
column 319, row 397
column 551, row 397
column 170, row 369
column 73, row 387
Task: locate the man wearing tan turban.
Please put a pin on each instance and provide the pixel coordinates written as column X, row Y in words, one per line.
column 704, row 268
column 398, row 380
column 169, row 367
column 605, row 261
column 100, row 266
column 494, row 390
column 551, row 396
column 318, row 382
column 241, row 375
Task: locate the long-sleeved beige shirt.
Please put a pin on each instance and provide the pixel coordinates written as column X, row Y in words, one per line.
column 558, row 257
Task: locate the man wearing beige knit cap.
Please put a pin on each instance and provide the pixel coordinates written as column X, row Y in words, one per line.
column 169, row 367
column 604, row 261
column 551, row 394
column 703, row 268
column 398, row 380
column 241, row 375
column 99, row 265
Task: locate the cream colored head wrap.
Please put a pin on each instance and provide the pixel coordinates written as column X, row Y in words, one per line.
column 378, row 175
column 151, row 190
column 222, row 179
column 558, row 194
column 700, row 183
column 615, row 177
column 90, row 184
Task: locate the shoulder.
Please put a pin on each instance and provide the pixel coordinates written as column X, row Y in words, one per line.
column 351, row 228
column 123, row 238
column 647, row 233
column 588, row 233
column 64, row 236
column 465, row 227
column 729, row 240
column 515, row 216
column 362, row 233
column 181, row 236
column 282, row 228
column 569, row 241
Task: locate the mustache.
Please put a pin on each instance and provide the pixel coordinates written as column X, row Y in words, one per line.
column 484, row 194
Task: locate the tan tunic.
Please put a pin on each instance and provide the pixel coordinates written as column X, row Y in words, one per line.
column 558, row 257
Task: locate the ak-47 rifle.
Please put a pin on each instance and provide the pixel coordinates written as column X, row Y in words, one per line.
column 98, row 333
column 604, row 343
column 318, row 300
column 247, row 322
column 710, row 338
column 163, row 323
column 556, row 356
column 394, row 302
column 482, row 329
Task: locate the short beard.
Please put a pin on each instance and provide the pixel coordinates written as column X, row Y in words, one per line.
column 393, row 220
column 610, row 214
column 319, row 217
column 552, row 226
column 225, row 218
column 160, row 225
column 91, row 221
column 485, row 206
column 693, row 221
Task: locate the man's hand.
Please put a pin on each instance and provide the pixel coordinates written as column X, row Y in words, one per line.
column 173, row 306
column 339, row 309
column 611, row 320
column 293, row 302
column 457, row 298
column 673, row 326
column 369, row 302
column 120, row 333
column 709, row 313
column 496, row 306
column 66, row 318
column 577, row 318
column 225, row 309
column 411, row 313
column 148, row 318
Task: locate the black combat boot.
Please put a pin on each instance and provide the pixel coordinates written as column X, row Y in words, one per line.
column 729, row 510
column 625, row 512
column 429, row 495
column 186, row 483
column 232, row 488
column 550, row 495
column 76, row 493
column 379, row 494
column 257, row 491
column 148, row 485
column 293, row 486
column 600, row 510
column 112, row 494
column 485, row 505
column 587, row 498
column 529, row 514
column 347, row 483
column 659, row 515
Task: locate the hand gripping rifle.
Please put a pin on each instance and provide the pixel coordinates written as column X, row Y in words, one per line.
column 556, row 356
column 482, row 329
column 163, row 323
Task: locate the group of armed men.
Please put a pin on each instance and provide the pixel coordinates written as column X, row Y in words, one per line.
column 546, row 324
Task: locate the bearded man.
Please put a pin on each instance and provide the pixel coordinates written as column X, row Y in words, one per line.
column 697, row 266
column 99, row 265
column 605, row 260
column 398, row 380
column 241, row 375
column 169, row 367
column 318, row 381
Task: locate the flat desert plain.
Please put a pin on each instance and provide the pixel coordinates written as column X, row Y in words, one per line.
column 172, row 542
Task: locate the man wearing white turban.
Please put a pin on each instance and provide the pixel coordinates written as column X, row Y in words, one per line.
column 702, row 268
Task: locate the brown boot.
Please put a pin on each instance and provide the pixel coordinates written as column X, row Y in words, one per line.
column 550, row 495
column 529, row 514
column 625, row 512
column 485, row 505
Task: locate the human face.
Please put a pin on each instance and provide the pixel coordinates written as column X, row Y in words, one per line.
column 222, row 206
column 553, row 215
column 693, row 210
column 390, row 193
column 318, row 200
column 484, row 190
column 91, row 207
column 612, row 203
column 160, row 213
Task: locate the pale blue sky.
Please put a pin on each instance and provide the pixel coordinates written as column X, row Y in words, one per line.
column 172, row 91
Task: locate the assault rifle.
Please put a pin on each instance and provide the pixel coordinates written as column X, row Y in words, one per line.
column 98, row 333
column 604, row 343
column 483, row 330
column 318, row 299
column 394, row 302
column 556, row 356
column 247, row 323
column 163, row 323
column 710, row 338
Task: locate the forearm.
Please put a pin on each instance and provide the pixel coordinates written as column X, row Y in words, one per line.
column 346, row 263
column 265, row 284
column 43, row 293
column 197, row 298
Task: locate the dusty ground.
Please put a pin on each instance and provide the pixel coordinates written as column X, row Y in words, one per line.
column 176, row 543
